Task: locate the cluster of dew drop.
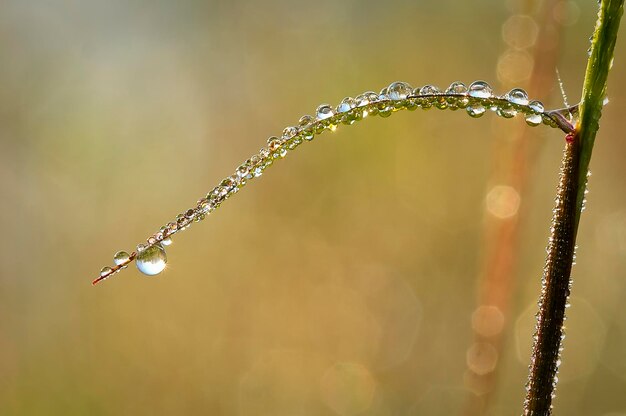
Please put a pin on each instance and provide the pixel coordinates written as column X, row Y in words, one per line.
column 476, row 100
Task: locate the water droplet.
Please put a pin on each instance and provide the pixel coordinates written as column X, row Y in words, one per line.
column 152, row 260
column 536, row 106
column 166, row 241
column 533, row 119
column 182, row 221
column 363, row 99
column 254, row 161
column 480, row 89
column 121, row 257
column 429, row 90
column 517, row 96
column 399, row 91
column 457, row 88
column 236, row 181
column 324, row 111
column 371, row 96
column 441, row 103
column 476, row 110
column 305, row 120
column 346, row 105
column 506, row 112
column 382, row 95
column 289, row 133
column 243, row 171
column 105, row 271
column 274, row 143
column 424, row 103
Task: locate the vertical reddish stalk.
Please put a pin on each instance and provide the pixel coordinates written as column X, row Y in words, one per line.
column 497, row 278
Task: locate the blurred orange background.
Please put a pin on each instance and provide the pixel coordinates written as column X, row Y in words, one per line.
column 342, row 282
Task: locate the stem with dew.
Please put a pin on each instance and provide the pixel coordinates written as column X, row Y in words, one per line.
column 348, row 112
column 570, row 203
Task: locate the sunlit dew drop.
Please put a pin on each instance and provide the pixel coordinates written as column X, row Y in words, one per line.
column 399, row 91
column 382, row 95
column 105, row 271
column 152, row 260
column 324, row 111
column 517, row 96
column 506, row 112
column 372, row 97
column 121, row 257
column 346, row 105
column 289, row 133
column 305, row 121
column 456, row 88
column 534, row 118
column 362, row 100
column 480, row 89
column 475, row 110
column 536, row 106
column 429, row 90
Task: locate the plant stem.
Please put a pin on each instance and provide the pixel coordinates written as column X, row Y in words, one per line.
column 569, row 205
column 594, row 87
column 555, row 289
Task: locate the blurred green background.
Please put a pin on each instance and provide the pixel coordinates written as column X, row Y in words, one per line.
column 340, row 283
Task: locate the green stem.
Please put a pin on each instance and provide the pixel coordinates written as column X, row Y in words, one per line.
column 594, row 87
column 570, row 203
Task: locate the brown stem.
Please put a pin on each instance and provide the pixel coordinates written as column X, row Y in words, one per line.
column 555, row 287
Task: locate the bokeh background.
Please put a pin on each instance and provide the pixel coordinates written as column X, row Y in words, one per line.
column 345, row 281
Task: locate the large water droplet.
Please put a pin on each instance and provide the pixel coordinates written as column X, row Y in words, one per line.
column 121, row 257
column 517, row 96
column 152, row 260
column 480, row 89
column 324, row 111
column 399, row 91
